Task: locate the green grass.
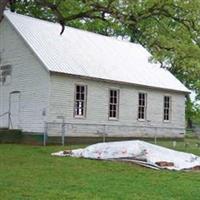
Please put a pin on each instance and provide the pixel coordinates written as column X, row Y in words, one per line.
column 29, row 172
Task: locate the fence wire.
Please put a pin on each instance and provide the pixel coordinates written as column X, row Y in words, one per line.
column 61, row 131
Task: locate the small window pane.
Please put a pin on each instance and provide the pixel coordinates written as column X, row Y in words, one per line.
column 141, row 105
column 5, row 74
column 80, row 103
column 113, row 104
column 166, row 115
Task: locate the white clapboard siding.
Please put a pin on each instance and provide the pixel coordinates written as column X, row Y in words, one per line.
column 62, row 104
column 28, row 77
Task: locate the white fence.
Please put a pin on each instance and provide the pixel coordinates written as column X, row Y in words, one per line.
column 63, row 130
column 60, row 131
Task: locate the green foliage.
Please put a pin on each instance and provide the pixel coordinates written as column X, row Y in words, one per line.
column 192, row 111
column 196, row 113
column 31, row 8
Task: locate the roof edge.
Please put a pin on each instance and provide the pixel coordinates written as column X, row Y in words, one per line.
column 26, row 43
column 120, row 82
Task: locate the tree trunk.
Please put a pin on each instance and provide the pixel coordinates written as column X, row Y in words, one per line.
column 3, row 4
column 189, row 123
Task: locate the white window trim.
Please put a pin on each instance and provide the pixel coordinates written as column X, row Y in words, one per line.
column 170, row 108
column 9, row 83
column 85, row 107
column 145, row 107
column 118, row 98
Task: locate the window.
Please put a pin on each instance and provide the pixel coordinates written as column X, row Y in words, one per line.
column 5, row 74
column 167, row 105
column 80, row 101
column 113, row 104
column 141, row 106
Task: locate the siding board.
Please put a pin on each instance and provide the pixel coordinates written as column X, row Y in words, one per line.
column 28, row 77
column 61, row 103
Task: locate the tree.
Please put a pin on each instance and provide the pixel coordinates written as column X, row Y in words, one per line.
column 169, row 29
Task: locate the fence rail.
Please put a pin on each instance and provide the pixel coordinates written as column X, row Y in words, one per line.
column 62, row 130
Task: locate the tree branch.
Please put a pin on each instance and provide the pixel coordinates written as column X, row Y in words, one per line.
column 3, row 4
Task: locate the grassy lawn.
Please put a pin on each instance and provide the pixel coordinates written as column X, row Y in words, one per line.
column 29, row 172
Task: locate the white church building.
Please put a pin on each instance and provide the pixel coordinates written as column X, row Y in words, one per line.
column 87, row 80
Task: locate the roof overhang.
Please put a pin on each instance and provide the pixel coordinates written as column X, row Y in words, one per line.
column 118, row 82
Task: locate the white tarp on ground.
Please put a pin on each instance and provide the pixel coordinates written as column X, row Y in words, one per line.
column 149, row 154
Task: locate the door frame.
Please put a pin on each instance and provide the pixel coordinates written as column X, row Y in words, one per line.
column 10, row 126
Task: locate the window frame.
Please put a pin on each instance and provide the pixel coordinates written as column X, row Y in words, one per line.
column 145, row 106
column 169, row 109
column 1, row 76
column 85, row 101
column 117, row 104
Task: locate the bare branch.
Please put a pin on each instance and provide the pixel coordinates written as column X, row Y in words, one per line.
column 3, row 4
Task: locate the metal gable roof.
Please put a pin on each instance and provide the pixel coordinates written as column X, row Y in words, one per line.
column 83, row 53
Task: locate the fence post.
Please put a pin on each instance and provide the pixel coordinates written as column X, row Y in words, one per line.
column 63, row 133
column 174, row 144
column 62, row 129
column 155, row 140
column 45, row 134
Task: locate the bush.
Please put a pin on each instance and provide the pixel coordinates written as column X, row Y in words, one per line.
column 11, row 136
